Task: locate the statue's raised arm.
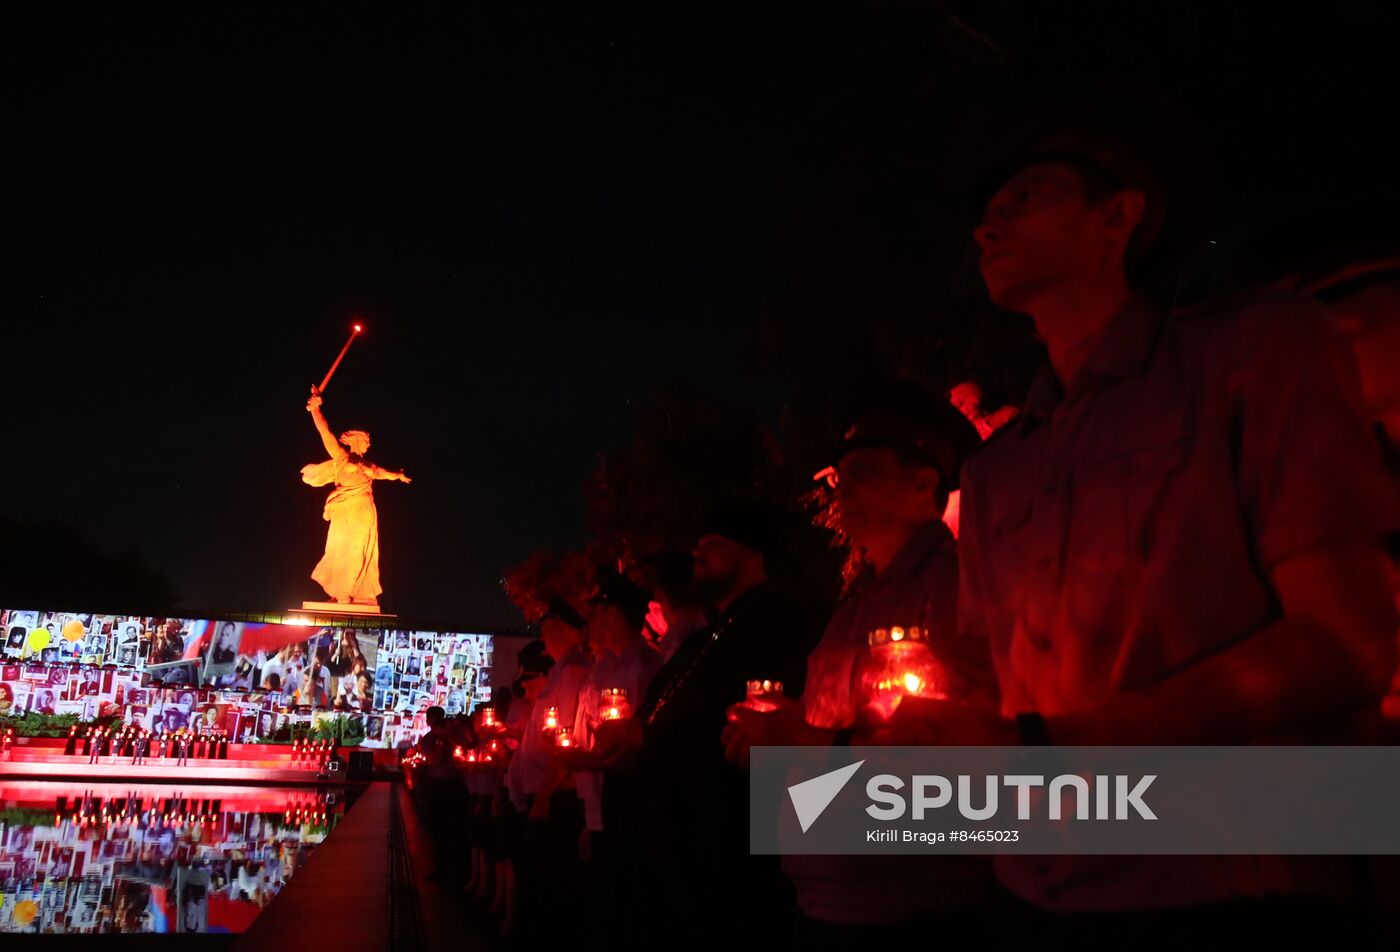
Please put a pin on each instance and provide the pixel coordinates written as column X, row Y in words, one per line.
column 332, row 445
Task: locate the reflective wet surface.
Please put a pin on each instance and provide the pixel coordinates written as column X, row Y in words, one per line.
column 152, row 858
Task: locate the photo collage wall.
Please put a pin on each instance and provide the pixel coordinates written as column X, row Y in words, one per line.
column 248, row 679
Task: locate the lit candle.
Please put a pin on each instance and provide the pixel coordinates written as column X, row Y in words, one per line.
column 563, row 737
column 551, row 719
column 759, row 692
column 900, row 664
column 615, row 706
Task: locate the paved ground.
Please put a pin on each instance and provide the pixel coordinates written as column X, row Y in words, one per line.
column 450, row 920
column 339, row 900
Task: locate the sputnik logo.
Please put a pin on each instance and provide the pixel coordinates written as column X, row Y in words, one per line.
column 810, row 798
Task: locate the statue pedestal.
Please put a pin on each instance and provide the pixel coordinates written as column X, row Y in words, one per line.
column 339, row 608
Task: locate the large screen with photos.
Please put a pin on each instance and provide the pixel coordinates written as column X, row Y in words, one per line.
column 167, row 671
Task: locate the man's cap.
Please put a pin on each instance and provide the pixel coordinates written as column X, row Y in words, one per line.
column 903, row 416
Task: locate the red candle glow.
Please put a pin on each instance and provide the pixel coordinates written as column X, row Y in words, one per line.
column 900, row 664
column 551, row 719
column 563, row 737
column 759, row 692
column 615, row 706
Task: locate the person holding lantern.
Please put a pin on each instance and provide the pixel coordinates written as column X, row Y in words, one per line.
column 893, row 638
column 624, row 666
column 554, row 813
column 693, row 806
column 1180, row 539
column 445, row 795
column 506, row 852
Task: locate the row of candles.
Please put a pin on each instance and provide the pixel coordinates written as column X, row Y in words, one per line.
column 900, row 664
column 139, row 743
column 313, row 752
column 175, row 813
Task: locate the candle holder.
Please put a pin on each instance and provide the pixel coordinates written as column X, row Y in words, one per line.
column 759, row 693
column 614, row 706
column 563, row 738
column 551, row 720
column 900, row 664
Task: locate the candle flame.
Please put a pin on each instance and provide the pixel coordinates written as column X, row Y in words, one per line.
column 913, row 683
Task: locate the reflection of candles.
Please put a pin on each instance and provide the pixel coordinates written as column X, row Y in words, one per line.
column 564, row 738
column 551, row 719
column 615, row 706
column 900, row 664
column 757, row 693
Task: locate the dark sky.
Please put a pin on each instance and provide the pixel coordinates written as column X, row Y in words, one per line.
column 540, row 217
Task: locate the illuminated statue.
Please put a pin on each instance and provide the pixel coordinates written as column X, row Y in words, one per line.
column 349, row 569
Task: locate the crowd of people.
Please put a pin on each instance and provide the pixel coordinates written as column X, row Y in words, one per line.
column 1180, row 539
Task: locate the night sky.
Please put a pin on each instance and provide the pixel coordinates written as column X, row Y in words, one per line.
column 540, row 218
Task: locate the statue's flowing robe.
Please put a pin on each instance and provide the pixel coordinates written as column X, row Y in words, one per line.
column 349, row 569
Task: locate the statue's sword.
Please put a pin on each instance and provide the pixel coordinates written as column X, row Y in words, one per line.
column 354, row 332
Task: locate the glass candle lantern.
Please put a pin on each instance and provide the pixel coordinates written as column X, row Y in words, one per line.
column 899, row 664
column 759, row 694
column 551, row 720
column 563, row 738
column 614, row 705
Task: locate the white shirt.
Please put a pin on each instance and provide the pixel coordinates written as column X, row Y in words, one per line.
column 532, row 761
column 632, row 671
